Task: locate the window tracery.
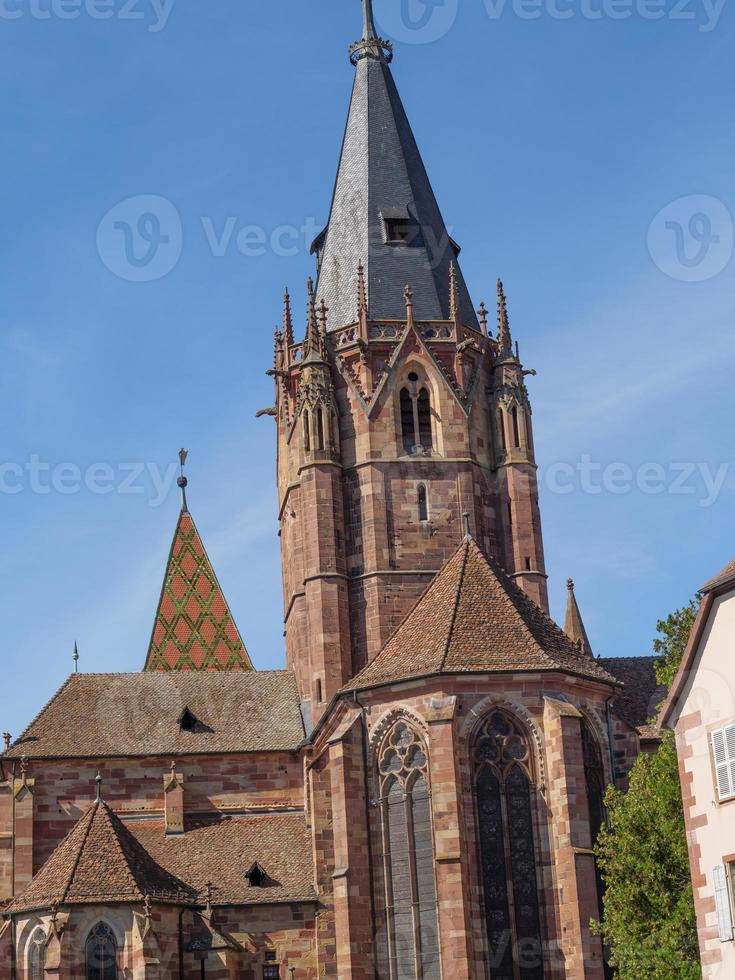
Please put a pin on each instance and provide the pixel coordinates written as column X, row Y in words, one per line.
column 411, row 942
column 504, row 791
column 101, row 954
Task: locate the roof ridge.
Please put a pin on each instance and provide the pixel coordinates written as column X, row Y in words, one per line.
column 455, row 610
column 508, row 597
column 85, row 837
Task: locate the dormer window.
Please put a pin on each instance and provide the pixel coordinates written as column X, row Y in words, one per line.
column 188, row 721
column 256, row 875
column 398, row 226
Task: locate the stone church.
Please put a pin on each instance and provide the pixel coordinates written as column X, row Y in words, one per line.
column 416, row 795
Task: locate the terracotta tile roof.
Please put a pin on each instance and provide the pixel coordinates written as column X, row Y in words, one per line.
column 638, row 702
column 105, row 860
column 727, row 572
column 222, row 850
column 112, row 715
column 99, row 862
column 474, row 619
column 193, row 629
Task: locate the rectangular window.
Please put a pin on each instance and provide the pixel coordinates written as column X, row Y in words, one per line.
column 271, row 971
column 722, row 902
column 723, row 751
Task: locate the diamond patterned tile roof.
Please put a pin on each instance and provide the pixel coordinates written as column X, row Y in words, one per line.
column 100, row 862
column 194, row 629
column 474, row 619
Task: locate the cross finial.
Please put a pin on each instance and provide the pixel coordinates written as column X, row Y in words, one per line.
column 371, row 46
column 182, row 482
column 482, row 313
column 368, row 21
column 75, row 658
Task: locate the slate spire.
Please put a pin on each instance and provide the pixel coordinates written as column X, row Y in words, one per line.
column 384, row 215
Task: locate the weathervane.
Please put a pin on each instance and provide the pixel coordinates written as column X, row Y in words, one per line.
column 182, row 482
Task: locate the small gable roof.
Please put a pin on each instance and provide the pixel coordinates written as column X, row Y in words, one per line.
column 473, row 618
column 194, row 629
column 97, row 716
column 99, row 862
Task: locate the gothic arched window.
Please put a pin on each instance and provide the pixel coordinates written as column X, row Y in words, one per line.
column 423, row 500
column 416, row 431
column 501, row 430
column 504, row 794
column 410, row 942
column 307, row 434
column 516, row 427
column 38, row 955
column 408, row 431
column 594, row 777
column 319, row 426
column 101, row 954
column 424, row 414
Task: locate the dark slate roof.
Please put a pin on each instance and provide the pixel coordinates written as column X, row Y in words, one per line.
column 642, row 695
column 112, row 715
column 105, row 860
column 381, row 173
column 193, row 629
column 222, row 850
column 99, row 862
column 474, row 619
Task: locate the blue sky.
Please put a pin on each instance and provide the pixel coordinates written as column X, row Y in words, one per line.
column 581, row 150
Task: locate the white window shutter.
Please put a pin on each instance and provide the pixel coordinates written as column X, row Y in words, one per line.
column 722, row 759
column 722, row 902
column 730, row 749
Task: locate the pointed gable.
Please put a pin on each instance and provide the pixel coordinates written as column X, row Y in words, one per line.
column 194, row 629
column 100, row 862
column 474, row 619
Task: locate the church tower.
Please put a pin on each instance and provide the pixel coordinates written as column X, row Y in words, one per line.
column 401, row 416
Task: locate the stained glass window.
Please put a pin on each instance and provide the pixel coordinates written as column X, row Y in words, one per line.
column 101, row 954
column 410, row 939
column 38, row 955
column 504, row 796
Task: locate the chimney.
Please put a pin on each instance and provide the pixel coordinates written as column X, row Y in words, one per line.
column 173, row 797
column 7, row 739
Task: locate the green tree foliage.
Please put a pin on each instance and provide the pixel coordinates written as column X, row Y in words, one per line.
column 648, row 922
column 671, row 642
